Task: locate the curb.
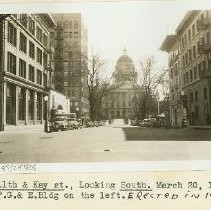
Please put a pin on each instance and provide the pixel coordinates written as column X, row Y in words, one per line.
column 200, row 128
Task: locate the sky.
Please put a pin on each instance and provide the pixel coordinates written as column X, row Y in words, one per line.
column 138, row 26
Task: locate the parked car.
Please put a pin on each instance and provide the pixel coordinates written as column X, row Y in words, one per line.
column 146, row 122
column 135, row 122
column 58, row 122
column 89, row 124
column 95, row 124
column 73, row 122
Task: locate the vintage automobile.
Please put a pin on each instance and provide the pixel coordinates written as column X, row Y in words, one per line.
column 95, row 123
column 89, row 124
column 73, row 122
column 58, row 122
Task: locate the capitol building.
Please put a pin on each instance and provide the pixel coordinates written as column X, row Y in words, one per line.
column 120, row 103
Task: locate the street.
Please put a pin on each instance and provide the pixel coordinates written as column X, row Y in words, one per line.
column 107, row 143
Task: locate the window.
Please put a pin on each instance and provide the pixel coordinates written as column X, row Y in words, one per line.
column 193, row 30
column 45, row 40
column 196, row 95
column 189, row 35
column 65, row 35
column 44, row 80
column 191, row 97
column 12, row 34
column 199, row 68
column 66, row 84
column 204, row 65
column 11, row 63
column 75, row 44
column 59, row 23
column 31, row 105
column 23, row 19
column 184, row 79
column 59, row 35
column 185, row 39
column 195, row 72
column 76, row 24
column 52, row 34
column 23, row 43
column 75, row 34
column 21, row 107
column 31, row 49
column 22, row 68
column 39, row 55
column 203, row 41
column 186, row 58
column 191, row 75
column 31, row 26
column 194, row 52
column 183, row 44
column 183, row 60
column 198, row 46
column 65, row 24
column 70, row 24
column 45, row 60
column 31, row 73
column 190, row 54
column 39, row 77
column 187, row 77
column 70, row 34
column 39, row 34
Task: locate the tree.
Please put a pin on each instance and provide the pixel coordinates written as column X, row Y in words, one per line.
column 147, row 91
column 99, row 84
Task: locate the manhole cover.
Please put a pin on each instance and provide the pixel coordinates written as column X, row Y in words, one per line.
column 47, row 137
column 107, row 150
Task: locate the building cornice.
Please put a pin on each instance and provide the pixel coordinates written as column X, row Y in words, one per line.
column 190, row 15
column 47, row 19
column 169, row 42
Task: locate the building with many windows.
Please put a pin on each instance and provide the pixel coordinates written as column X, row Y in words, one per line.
column 70, row 43
column 120, row 103
column 193, row 61
column 25, row 68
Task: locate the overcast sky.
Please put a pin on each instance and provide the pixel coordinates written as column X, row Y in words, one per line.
column 139, row 26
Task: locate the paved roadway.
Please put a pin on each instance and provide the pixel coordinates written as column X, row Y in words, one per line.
column 109, row 143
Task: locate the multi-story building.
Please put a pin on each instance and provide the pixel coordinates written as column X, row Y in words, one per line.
column 195, row 75
column 171, row 45
column 24, row 67
column 70, row 42
column 120, row 102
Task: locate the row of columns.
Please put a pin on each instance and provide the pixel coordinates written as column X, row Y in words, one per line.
column 15, row 110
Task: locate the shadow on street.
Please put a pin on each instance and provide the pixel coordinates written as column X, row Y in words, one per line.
column 162, row 134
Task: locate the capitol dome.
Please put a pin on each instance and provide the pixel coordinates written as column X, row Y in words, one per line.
column 124, row 59
column 125, row 68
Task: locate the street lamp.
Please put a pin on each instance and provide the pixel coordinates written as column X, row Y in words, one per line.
column 46, row 114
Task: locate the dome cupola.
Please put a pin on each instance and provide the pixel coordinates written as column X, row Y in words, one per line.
column 125, row 68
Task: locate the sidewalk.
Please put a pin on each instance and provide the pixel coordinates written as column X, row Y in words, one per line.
column 38, row 128
column 201, row 127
